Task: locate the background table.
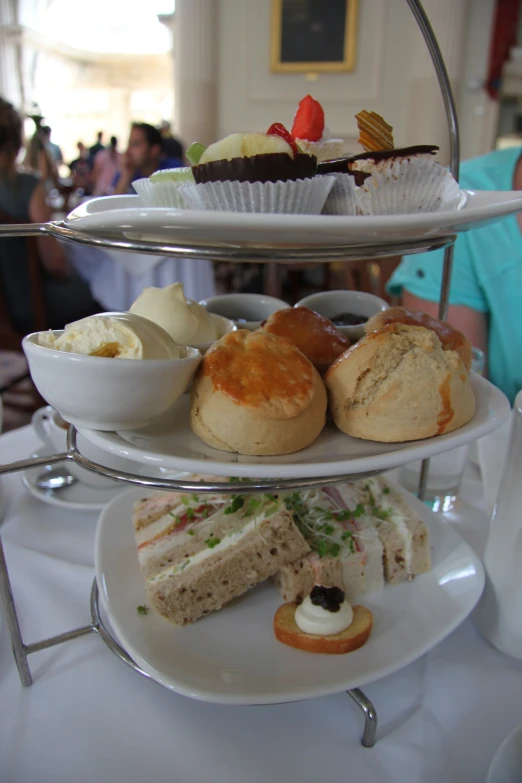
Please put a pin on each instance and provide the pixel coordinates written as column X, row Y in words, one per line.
column 117, row 278
column 90, row 718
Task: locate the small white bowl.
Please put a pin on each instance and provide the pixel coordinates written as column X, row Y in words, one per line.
column 246, row 310
column 224, row 326
column 108, row 394
column 333, row 303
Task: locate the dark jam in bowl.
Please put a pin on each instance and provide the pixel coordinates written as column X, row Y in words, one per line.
column 348, row 319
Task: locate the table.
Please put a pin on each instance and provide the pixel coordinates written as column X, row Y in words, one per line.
column 117, row 278
column 88, row 717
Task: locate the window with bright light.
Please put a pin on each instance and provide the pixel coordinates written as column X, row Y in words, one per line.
column 115, row 26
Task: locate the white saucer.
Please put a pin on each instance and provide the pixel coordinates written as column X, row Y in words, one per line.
column 78, row 497
column 506, row 766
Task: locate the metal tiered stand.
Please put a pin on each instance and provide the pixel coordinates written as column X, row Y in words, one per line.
column 59, row 230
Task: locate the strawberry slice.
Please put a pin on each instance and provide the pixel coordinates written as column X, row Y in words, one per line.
column 309, row 120
column 278, row 129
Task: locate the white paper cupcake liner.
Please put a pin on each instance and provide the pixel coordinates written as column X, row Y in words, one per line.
column 159, row 194
column 344, row 197
column 409, row 186
column 299, row 197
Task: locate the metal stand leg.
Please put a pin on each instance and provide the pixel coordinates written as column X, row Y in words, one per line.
column 21, row 650
column 370, row 717
column 8, row 605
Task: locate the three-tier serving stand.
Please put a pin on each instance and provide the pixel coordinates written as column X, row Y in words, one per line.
column 253, row 254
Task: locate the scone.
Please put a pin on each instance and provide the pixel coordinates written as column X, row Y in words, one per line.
column 255, row 393
column 398, row 384
column 314, row 335
column 451, row 339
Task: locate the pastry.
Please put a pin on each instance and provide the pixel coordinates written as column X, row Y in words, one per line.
column 256, row 172
column 161, row 188
column 198, row 552
column 255, row 157
column 398, row 384
column 313, row 626
column 451, row 339
column 384, row 180
column 313, row 334
column 256, row 393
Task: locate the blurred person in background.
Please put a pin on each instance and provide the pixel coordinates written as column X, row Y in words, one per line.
column 39, row 159
column 106, row 166
column 172, row 147
column 81, row 170
column 97, row 147
column 53, row 148
column 23, row 199
column 144, row 156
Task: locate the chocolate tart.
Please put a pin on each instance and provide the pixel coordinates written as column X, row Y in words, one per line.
column 266, row 167
column 342, row 166
column 400, row 152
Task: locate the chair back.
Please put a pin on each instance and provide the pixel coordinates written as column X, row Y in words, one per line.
column 21, row 277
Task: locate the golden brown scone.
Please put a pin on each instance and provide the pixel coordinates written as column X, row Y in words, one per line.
column 451, row 338
column 314, row 335
column 255, row 393
column 398, row 384
column 287, row 631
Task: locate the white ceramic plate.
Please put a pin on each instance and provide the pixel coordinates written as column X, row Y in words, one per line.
column 126, row 218
column 232, row 656
column 78, row 497
column 506, row 766
column 170, row 443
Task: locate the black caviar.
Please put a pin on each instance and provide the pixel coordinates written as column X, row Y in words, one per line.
column 330, row 598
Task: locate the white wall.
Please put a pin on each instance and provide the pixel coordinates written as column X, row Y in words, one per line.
column 393, row 74
column 251, row 97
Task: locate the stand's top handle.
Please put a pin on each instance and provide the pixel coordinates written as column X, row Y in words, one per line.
column 444, row 82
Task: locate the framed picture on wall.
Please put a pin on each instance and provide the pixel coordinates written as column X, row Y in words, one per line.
column 313, row 35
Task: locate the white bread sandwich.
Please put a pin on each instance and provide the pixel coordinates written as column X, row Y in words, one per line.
column 361, row 535
column 256, row 393
column 199, row 551
column 398, row 384
column 404, row 537
column 344, row 554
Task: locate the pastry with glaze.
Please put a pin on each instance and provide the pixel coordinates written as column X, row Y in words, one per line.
column 257, row 394
column 314, row 335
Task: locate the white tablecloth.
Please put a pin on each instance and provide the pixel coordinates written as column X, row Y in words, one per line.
column 118, row 278
column 90, row 718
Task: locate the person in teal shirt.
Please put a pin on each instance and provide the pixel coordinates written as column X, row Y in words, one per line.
column 486, row 284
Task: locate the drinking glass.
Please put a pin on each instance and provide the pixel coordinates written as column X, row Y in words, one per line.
column 445, row 470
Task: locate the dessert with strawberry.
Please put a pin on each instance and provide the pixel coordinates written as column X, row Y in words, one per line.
column 310, row 132
column 255, row 172
column 255, row 157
